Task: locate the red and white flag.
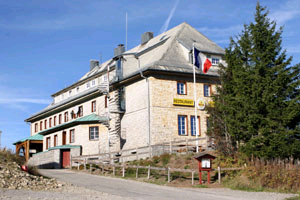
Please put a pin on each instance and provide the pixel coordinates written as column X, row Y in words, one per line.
column 199, row 60
column 206, row 65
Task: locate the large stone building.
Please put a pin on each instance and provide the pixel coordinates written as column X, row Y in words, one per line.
column 139, row 97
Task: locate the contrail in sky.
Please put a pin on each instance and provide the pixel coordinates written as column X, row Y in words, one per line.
column 166, row 24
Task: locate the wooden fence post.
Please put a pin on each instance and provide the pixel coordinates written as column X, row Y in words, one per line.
column 192, row 177
column 149, row 172
column 85, row 164
column 219, row 174
column 169, row 178
column 90, row 168
column 186, row 145
column 114, row 171
column 137, row 172
column 171, row 150
column 78, row 166
column 136, row 152
column 123, row 171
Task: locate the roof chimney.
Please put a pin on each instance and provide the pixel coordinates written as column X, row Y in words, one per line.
column 93, row 64
column 119, row 50
column 146, row 37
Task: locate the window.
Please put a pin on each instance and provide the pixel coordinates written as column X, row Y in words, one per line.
column 105, row 77
column 94, row 133
column 64, row 137
column 54, row 121
column 72, row 136
column 50, row 122
column 48, row 143
column 55, row 140
column 35, row 127
column 80, row 111
column 72, row 114
column 193, row 125
column 70, row 93
column 105, row 102
column 215, row 61
column 182, row 125
column 206, row 89
column 181, row 88
column 59, row 119
column 45, row 124
column 93, row 82
column 66, row 116
column 93, row 106
column 41, row 125
column 77, row 89
column 87, row 84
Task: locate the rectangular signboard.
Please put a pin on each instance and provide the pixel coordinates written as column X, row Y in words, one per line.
column 183, row 102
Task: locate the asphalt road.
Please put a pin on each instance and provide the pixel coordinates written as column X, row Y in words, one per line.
column 128, row 189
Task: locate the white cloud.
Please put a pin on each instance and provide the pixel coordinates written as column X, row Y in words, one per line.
column 20, row 98
column 167, row 22
column 286, row 12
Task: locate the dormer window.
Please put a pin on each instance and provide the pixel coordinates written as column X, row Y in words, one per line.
column 88, row 85
column 70, row 93
column 215, row 61
column 93, row 83
column 77, row 89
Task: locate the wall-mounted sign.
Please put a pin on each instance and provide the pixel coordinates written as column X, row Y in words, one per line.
column 183, row 102
column 201, row 104
column 211, row 103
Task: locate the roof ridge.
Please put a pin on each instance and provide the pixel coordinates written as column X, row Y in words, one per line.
column 173, row 38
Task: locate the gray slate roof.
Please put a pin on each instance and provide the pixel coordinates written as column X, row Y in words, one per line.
column 162, row 53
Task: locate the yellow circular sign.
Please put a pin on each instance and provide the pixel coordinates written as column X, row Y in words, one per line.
column 201, row 104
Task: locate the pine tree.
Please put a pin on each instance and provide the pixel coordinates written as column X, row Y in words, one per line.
column 257, row 108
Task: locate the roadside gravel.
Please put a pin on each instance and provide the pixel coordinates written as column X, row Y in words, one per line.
column 67, row 192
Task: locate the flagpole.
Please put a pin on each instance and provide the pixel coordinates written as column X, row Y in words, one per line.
column 195, row 100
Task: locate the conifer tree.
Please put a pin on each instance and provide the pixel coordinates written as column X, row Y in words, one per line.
column 257, row 108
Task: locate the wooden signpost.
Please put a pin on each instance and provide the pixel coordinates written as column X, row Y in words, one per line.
column 204, row 164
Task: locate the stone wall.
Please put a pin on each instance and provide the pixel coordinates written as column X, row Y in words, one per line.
column 50, row 159
column 164, row 115
column 46, row 160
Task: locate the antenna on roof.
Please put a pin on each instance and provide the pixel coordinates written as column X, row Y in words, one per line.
column 100, row 58
column 126, row 32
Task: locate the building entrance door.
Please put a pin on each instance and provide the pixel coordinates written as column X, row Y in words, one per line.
column 64, row 138
column 65, row 158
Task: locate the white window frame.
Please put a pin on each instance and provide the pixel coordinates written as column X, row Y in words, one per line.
column 206, row 90
column 182, row 125
column 193, row 125
column 94, row 133
column 215, row 61
column 181, row 87
column 72, row 135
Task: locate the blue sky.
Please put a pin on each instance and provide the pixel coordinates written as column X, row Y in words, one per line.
column 46, row 45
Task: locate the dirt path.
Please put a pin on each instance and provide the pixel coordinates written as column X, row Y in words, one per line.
column 114, row 188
